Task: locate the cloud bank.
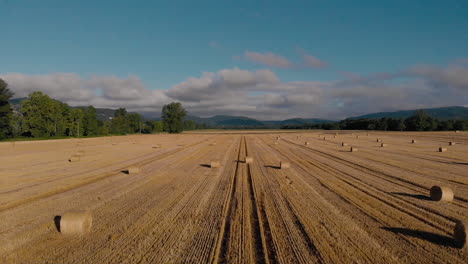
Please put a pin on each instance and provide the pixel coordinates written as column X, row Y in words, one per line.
column 260, row 94
column 278, row 61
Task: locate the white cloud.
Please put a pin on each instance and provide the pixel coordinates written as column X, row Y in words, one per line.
column 269, row 59
column 260, row 94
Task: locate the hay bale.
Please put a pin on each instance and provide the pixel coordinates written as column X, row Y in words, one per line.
column 451, row 143
column 379, row 140
column 324, row 138
column 344, row 144
column 284, row 165
column 289, row 181
column 213, row 144
column 249, row 159
column 278, row 138
column 215, row 164
column 441, row 149
column 76, row 223
column 276, row 143
column 113, row 144
column 456, row 131
column 383, row 145
column 413, row 141
column 74, row 158
column 156, row 146
column 306, row 143
column 443, row 194
column 353, row 149
column 133, row 169
column 334, row 136
column 460, row 236
column 357, row 137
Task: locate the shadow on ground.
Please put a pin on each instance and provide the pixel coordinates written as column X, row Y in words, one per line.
column 272, row 166
column 428, row 236
column 57, row 219
column 417, row 196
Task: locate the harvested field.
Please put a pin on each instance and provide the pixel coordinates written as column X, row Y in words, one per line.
column 329, row 206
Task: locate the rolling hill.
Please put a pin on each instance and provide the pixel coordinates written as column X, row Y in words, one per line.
column 443, row 113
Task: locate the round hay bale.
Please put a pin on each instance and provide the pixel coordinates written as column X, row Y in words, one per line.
column 357, row 137
column 413, row 141
column 76, row 223
column 284, row 165
column 443, row 194
column 215, row 164
column 379, row 140
column 278, row 138
column 441, row 149
column 324, row 138
column 451, row 143
column 306, row 143
column 344, row 144
column 213, row 144
column 353, row 149
column 460, row 236
column 133, row 169
column 156, row 146
column 383, row 145
column 74, row 158
column 249, row 159
column 276, row 142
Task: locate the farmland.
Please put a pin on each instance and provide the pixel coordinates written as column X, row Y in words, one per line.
column 330, row 206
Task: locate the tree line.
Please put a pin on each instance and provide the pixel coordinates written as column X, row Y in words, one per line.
column 41, row 116
column 420, row 121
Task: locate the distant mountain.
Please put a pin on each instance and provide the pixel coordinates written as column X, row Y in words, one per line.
column 247, row 122
column 297, row 121
column 442, row 113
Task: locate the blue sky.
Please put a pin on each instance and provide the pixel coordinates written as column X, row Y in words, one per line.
column 163, row 44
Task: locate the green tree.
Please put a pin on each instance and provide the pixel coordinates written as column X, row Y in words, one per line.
column 5, row 110
column 119, row 124
column 190, row 125
column 173, row 115
column 90, row 122
column 38, row 115
column 135, row 122
column 420, row 121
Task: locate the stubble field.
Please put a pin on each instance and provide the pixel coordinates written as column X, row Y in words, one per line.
column 330, row 206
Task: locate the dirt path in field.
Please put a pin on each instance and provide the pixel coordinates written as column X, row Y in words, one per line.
column 330, row 206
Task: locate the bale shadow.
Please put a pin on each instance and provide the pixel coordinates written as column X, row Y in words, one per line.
column 272, row 166
column 428, row 236
column 125, row 171
column 57, row 219
column 240, row 161
column 205, row 165
column 417, row 196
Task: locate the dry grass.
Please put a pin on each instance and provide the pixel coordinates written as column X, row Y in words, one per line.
column 441, row 149
column 215, row 164
column 76, row 223
column 443, row 194
column 284, row 165
column 74, row 158
column 134, row 169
